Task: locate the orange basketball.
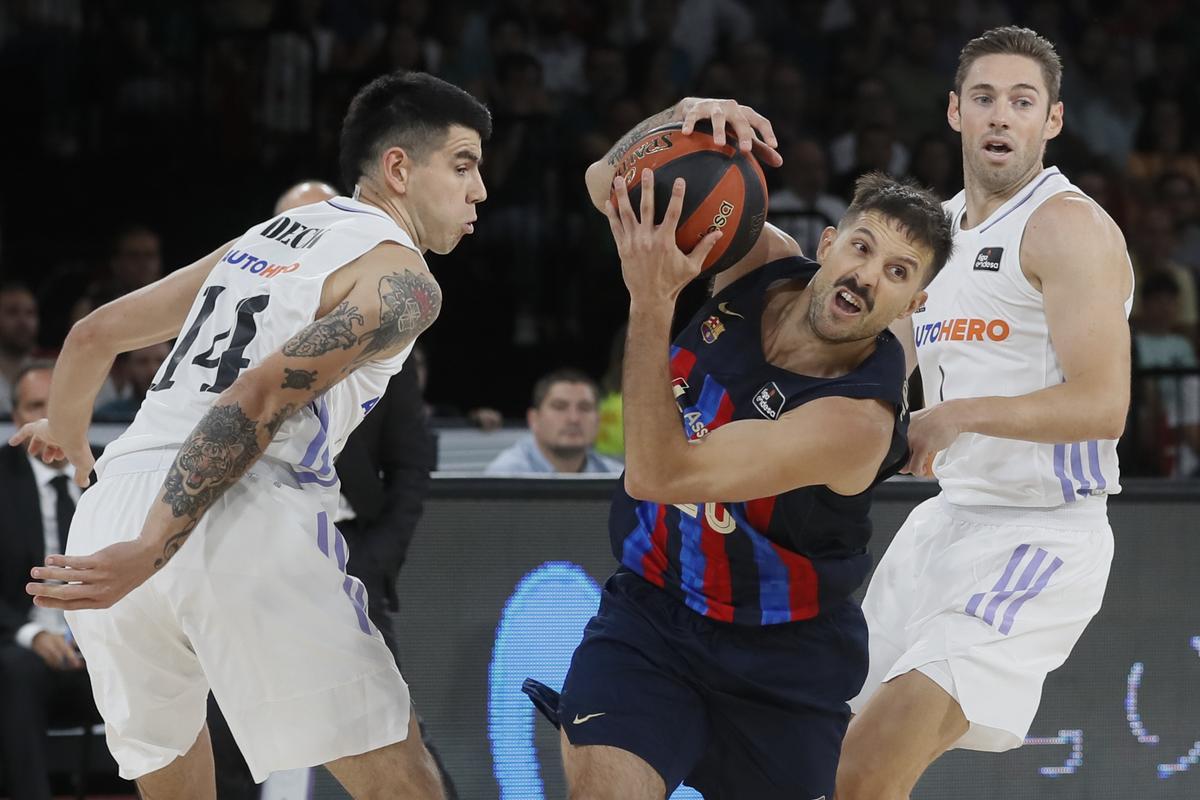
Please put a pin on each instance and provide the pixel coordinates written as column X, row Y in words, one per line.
column 726, row 189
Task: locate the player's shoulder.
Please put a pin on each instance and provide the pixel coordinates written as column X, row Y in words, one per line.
column 1071, row 222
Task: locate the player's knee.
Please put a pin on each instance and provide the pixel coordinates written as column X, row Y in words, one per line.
column 860, row 777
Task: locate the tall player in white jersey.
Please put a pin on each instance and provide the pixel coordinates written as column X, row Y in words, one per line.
column 292, row 334
column 1023, row 347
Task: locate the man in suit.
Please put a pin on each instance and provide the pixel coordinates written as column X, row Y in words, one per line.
column 41, row 673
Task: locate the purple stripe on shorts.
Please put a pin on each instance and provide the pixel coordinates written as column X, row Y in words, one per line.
column 339, row 547
column 989, row 616
column 1060, row 454
column 1015, row 606
column 1001, row 584
column 1085, row 486
column 1094, row 461
column 321, row 439
column 363, row 624
column 323, row 533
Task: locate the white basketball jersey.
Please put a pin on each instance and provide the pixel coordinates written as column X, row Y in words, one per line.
column 983, row 332
column 264, row 290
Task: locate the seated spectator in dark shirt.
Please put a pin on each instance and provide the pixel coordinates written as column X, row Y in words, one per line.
column 42, row 679
column 134, row 372
column 563, row 423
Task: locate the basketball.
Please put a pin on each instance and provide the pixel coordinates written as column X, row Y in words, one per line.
column 726, row 189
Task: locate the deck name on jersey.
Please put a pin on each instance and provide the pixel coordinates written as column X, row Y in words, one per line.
column 295, row 235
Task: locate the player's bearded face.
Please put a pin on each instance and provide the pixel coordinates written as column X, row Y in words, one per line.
column 1005, row 118
column 870, row 273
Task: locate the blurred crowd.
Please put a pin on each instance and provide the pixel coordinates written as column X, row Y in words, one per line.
column 142, row 134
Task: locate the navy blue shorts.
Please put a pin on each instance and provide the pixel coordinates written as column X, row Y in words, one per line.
column 733, row 711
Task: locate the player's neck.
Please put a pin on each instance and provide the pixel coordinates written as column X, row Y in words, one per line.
column 388, row 205
column 789, row 341
column 982, row 201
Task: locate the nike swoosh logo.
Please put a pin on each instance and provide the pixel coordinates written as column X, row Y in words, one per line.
column 724, row 309
column 580, row 720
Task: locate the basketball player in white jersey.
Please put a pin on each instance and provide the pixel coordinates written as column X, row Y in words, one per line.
column 1023, row 347
column 292, row 334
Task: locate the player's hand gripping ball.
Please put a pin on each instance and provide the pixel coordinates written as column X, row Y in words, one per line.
column 726, row 189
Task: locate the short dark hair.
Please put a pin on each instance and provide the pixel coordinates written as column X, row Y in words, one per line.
column 1015, row 41
column 916, row 211
column 36, row 365
column 413, row 110
column 565, row 375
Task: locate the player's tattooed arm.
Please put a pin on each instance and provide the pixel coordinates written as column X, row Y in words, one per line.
column 298, row 378
column 410, row 302
column 333, row 331
column 215, row 456
column 378, row 319
column 672, row 114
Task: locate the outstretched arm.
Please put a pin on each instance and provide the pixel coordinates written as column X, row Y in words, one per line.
column 152, row 314
column 1076, row 253
column 393, row 299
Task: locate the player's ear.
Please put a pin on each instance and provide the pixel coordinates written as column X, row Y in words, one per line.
column 917, row 301
column 952, row 112
column 396, row 165
column 827, row 237
column 1054, row 120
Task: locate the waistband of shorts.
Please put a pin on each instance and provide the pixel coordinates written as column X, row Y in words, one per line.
column 160, row 459
column 1087, row 513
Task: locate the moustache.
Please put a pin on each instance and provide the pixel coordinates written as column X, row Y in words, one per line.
column 851, row 284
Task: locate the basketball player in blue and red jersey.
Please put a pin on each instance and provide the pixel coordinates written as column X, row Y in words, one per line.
column 727, row 644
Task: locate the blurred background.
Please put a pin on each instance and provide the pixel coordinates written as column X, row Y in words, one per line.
column 140, row 135
column 137, row 136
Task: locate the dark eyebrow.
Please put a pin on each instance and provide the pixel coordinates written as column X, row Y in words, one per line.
column 909, row 260
column 987, row 87
column 468, row 155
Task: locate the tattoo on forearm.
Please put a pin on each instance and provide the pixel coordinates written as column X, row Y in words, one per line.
column 334, row 331
column 298, row 378
column 409, row 304
column 220, row 449
column 618, row 150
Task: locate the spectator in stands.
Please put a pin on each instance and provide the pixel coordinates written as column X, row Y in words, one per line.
column 610, row 441
column 802, row 206
column 1170, row 403
column 135, row 261
column 1154, row 243
column 936, row 166
column 1160, row 145
column 1179, row 193
column 42, row 679
column 303, row 194
column 18, row 337
column 134, row 372
column 563, row 423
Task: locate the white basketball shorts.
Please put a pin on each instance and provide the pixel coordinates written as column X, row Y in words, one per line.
column 986, row 601
column 256, row 606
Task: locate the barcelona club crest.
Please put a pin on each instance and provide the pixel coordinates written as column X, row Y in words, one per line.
column 711, row 328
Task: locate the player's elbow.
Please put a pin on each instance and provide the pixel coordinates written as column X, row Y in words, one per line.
column 91, row 335
column 648, row 484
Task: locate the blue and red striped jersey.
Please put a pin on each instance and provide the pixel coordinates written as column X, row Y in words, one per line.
column 775, row 559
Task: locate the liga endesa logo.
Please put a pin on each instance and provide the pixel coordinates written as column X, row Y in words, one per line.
column 962, row 329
